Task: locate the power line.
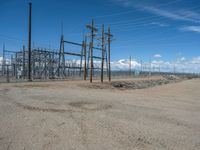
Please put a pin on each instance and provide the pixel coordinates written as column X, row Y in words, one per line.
column 11, row 38
column 143, row 19
column 127, row 12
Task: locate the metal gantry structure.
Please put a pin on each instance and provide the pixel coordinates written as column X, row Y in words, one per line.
column 83, row 62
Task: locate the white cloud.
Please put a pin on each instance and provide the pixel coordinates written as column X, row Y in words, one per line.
column 196, row 60
column 159, row 24
column 190, row 66
column 157, row 56
column 190, row 28
column 175, row 14
column 7, row 61
column 182, row 59
column 164, row 13
column 190, row 14
column 123, row 64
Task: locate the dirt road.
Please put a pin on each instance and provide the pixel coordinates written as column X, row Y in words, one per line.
column 68, row 116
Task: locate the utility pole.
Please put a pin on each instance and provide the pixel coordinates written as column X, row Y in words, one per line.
column 130, row 65
column 93, row 30
column 174, row 68
column 103, row 49
column 81, row 61
column 106, row 57
column 109, row 40
column 45, row 64
column 150, row 67
column 8, row 76
column 3, row 61
column 24, row 62
column 91, row 55
column 91, row 52
column 84, row 46
column 159, row 69
column 15, row 66
column 141, row 66
column 29, row 43
column 61, row 54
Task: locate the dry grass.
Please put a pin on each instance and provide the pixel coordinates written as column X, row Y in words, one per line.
column 140, row 83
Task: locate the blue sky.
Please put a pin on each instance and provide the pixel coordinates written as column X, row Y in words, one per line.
column 141, row 28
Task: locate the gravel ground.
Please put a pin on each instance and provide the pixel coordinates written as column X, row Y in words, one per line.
column 70, row 116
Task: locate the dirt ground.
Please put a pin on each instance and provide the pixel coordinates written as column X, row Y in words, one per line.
column 74, row 115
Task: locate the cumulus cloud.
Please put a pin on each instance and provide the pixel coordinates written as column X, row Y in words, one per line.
column 7, row 61
column 182, row 58
column 180, row 65
column 123, row 64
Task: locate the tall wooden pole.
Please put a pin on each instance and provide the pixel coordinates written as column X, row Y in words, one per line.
column 93, row 30
column 130, row 65
column 24, row 75
column 29, row 42
column 85, row 71
column 91, row 52
column 150, row 69
column 3, row 61
column 109, row 71
column 103, row 49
